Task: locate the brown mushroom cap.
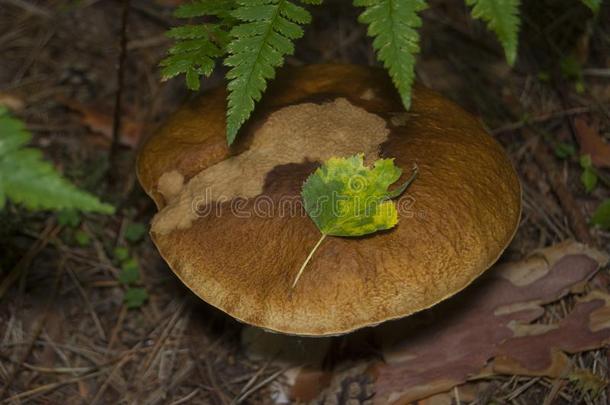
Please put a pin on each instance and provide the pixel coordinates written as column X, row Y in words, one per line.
column 223, row 231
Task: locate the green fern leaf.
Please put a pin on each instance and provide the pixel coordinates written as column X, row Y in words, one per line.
column 198, row 45
column 502, row 17
column 260, row 42
column 594, row 5
column 27, row 179
column 393, row 24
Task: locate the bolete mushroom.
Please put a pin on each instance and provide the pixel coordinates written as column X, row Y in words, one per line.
column 231, row 228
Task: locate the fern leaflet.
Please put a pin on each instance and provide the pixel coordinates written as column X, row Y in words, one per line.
column 259, row 44
column 393, row 24
column 502, row 17
column 198, row 45
column 594, row 5
column 27, row 179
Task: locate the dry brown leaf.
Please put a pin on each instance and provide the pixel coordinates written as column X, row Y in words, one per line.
column 309, row 383
column 11, row 101
column 101, row 123
column 591, row 143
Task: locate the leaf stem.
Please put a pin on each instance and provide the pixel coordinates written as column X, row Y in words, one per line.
column 296, row 279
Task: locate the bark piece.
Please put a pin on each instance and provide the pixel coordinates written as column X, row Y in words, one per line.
column 440, row 348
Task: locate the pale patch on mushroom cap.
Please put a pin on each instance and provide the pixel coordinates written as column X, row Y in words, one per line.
column 368, row 94
column 294, row 134
column 170, row 184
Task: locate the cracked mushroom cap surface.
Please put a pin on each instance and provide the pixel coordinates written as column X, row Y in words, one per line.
column 232, row 227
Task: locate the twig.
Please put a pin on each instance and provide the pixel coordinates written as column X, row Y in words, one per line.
column 117, row 367
column 161, row 340
column 186, row 398
column 596, row 72
column 217, row 390
column 577, row 222
column 37, row 331
column 520, row 390
column 558, row 384
column 146, row 364
column 51, row 386
column 255, row 377
column 560, row 90
column 47, row 234
column 83, row 293
column 555, row 226
column 34, row 53
column 116, row 122
column 117, row 327
column 30, row 8
column 539, row 119
column 260, row 385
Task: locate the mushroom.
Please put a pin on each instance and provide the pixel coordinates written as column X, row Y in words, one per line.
column 231, row 227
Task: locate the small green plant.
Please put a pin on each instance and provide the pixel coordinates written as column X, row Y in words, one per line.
column 135, row 297
column 134, row 232
column 571, row 70
column 82, row 238
column 564, row 150
column 601, row 216
column 253, row 38
column 26, row 179
column 588, row 176
column 129, row 276
column 69, row 218
column 130, row 272
column 121, row 253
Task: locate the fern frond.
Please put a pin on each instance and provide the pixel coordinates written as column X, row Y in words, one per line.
column 393, row 24
column 27, row 179
column 502, row 17
column 259, row 44
column 594, row 5
column 198, row 45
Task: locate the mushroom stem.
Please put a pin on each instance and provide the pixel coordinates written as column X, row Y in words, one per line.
column 296, row 279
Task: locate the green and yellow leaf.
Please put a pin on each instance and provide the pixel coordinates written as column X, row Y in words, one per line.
column 345, row 198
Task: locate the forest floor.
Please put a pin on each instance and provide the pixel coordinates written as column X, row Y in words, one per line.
column 66, row 335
